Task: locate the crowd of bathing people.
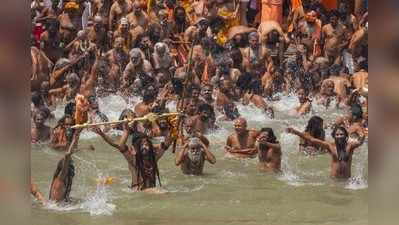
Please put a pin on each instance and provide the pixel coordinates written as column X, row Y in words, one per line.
column 204, row 57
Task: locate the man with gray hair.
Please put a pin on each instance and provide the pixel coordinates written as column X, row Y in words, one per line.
column 191, row 158
column 137, row 65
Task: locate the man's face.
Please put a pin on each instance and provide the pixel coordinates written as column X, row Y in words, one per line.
column 39, row 119
column 195, row 93
column 45, row 87
column 264, row 136
column 330, row 88
column 189, row 127
column 203, row 25
column 124, row 27
column 194, row 152
column 161, row 51
column 146, row 42
column 118, row 44
column 72, row 83
column 334, row 21
column 240, row 126
column 253, row 41
column 301, row 96
column 231, row 111
column 145, row 147
column 68, row 122
column 97, row 26
column 93, row 105
column 136, row 59
column 163, row 124
column 191, row 108
column 238, row 38
column 340, row 136
column 207, row 93
column 136, row 9
column 205, row 115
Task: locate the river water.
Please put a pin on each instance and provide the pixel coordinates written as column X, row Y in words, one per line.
column 230, row 192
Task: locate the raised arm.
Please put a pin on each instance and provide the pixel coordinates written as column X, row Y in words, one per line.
column 307, row 137
column 68, row 154
column 180, row 155
column 109, row 141
column 208, row 154
column 356, row 144
column 161, row 148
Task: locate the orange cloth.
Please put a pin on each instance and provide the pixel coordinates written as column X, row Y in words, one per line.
column 330, row 4
column 295, row 4
column 272, row 10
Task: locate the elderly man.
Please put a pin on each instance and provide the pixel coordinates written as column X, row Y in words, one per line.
column 191, row 158
column 241, row 144
column 137, row 65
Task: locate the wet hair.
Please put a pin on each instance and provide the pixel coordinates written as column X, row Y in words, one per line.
column 36, row 99
column 341, row 145
column 123, row 116
column 273, row 37
column 236, row 56
column 315, row 128
column 271, row 137
column 152, row 32
column 216, row 23
column 137, row 139
column 231, row 111
column 69, row 177
column 43, row 114
column 70, row 108
column 178, row 86
column 357, row 111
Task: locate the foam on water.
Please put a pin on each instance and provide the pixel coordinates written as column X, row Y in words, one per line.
column 98, row 202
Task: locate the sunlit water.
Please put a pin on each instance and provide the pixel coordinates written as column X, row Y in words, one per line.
column 230, row 192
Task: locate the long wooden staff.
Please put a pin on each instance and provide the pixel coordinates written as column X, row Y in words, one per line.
column 180, row 102
column 152, row 117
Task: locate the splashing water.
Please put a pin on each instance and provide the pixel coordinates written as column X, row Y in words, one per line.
column 97, row 202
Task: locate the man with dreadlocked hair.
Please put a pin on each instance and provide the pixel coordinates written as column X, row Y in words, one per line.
column 269, row 150
column 61, row 184
column 315, row 129
column 341, row 150
column 142, row 157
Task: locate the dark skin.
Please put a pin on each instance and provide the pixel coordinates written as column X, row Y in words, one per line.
column 241, row 144
column 129, row 153
column 183, row 160
column 269, row 153
column 58, row 187
column 339, row 169
column 40, row 132
column 58, row 137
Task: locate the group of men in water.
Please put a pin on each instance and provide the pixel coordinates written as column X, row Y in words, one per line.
column 204, row 57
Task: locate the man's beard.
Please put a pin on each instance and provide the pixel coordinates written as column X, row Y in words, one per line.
column 341, row 144
column 194, row 157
